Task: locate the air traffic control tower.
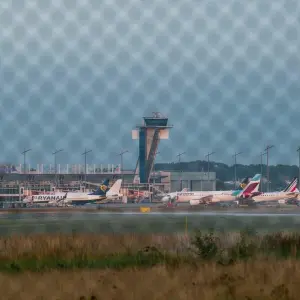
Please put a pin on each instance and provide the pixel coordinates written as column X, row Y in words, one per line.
column 149, row 134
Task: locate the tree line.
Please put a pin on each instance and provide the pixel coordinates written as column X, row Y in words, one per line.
column 278, row 174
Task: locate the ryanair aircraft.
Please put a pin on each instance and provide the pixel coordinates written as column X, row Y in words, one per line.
column 69, row 197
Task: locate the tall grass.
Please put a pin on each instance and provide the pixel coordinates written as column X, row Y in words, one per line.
column 40, row 252
column 246, row 280
column 69, row 246
column 205, row 266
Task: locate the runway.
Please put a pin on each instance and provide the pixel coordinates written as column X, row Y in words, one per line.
column 152, row 222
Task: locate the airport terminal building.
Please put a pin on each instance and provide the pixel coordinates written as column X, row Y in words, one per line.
column 194, row 181
column 168, row 181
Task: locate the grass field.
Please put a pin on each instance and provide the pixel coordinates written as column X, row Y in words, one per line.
column 254, row 280
column 202, row 266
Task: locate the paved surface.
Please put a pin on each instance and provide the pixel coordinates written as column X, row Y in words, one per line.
column 156, row 221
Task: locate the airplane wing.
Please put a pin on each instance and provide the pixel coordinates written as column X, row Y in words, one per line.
column 202, row 200
column 291, row 194
column 205, row 199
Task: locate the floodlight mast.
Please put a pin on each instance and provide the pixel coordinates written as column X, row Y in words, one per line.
column 24, row 155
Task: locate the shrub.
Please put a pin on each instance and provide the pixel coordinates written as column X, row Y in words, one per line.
column 207, row 245
column 281, row 244
column 245, row 248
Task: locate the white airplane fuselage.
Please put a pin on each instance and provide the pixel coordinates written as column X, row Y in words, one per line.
column 82, row 198
column 216, row 196
column 274, row 196
column 44, row 198
column 225, row 197
column 70, row 198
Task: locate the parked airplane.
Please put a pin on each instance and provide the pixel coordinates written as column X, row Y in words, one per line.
column 208, row 197
column 55, row 198
column 110, row 194
column 100, row 192
column 290, row 192
column 292, row 187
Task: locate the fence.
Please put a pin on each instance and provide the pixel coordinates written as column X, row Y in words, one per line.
column 63, row 169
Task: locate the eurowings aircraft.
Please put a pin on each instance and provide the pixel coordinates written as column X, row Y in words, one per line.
column 208, row 197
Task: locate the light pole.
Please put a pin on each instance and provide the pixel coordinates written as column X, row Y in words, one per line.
column 121, row 156
column 180, row 170
column 24, row 154
column 55, row 170
column 268, row 172
column 234, row 156
column 154, row 165
column 261, row 167
column 208, row 156
column 85, row 154
column 299, row 168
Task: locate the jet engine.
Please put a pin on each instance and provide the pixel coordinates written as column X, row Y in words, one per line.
column 194, row 202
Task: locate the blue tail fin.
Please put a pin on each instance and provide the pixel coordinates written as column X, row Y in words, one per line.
column 102, row 189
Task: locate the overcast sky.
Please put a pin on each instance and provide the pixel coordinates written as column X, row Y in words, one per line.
column 78, row 74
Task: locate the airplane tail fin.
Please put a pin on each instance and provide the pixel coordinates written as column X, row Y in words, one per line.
column 102, row 189
column 244, row 183
column 251, row 187
column 293, row 186
column 115, row 189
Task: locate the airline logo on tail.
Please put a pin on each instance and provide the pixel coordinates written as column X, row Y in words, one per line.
column 293, row 186
column 250, row 189
column 244, row 183
column 102, row 189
